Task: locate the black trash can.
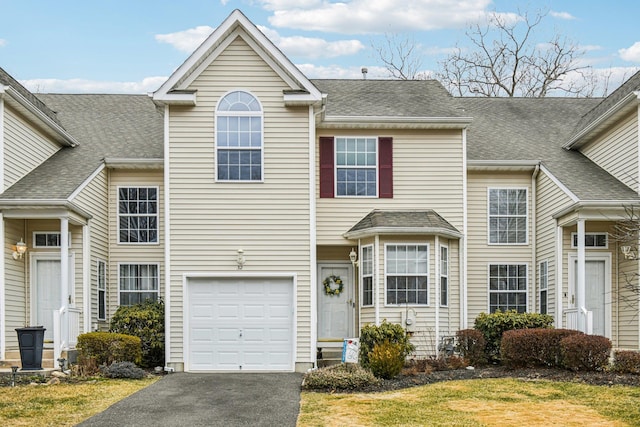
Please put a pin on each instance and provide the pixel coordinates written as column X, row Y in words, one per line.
column 31, row 342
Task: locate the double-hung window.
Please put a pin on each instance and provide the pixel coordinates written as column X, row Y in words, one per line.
column 101, row 280
column 366, row 265
column 508, row 287
column 444, row 276
column 407, row 274
column 138, row 283
column 138, row 215
column 356, row 167
column 507, row 216
column 239, row 140
column 543, row 278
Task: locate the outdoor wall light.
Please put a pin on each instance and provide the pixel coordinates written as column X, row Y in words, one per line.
column 240, row 259
column 628, row 252
column 353, row 256
column 19, row 249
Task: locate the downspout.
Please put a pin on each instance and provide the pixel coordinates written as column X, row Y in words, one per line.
column 463, row 251
column 2, row 280
column 167, row 247
column 436, row 288
column 376, row 276
column 534, row 237
column 313, row 238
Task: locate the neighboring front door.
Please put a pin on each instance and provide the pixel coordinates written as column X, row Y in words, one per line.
column 46, row 292
column 595, row 293
column 335, row 312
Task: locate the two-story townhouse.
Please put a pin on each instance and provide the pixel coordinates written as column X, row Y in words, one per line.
column 276, row 215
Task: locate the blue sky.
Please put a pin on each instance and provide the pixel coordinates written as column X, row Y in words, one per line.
column 131, row 46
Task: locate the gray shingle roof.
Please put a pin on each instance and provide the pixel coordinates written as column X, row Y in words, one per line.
column 535, row 129
column 7, row 80
column 122, row 126
column 392, row 98
column 429, row 220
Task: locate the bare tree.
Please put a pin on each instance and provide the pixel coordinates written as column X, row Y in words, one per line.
column 507, row 60
column 400, row 56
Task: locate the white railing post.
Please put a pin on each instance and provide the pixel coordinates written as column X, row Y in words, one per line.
column 57, row 338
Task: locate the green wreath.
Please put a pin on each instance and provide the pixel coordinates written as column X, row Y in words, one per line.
column 328, row 290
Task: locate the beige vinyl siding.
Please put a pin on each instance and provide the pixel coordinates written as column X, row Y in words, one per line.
column 616, row 151
column 25, row 147
column 480, row 253
column 148, row 253
column 550, row 200
column 269, row 220
column 427, row 174
column 625, row 324
column 15, row 297
column 94, row 198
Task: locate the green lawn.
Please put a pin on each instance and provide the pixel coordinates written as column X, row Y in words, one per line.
column 491, row 402
column 63, row 404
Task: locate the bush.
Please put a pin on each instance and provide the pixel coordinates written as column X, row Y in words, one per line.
column 495, row 324
column 104, row 348
column 146, row 321
column 386, row 359
column 626, row 361
column 370, row 335
column 346, row 376
column 123, row 370
column 533, row 347
column 470, row 345
column 585, row 352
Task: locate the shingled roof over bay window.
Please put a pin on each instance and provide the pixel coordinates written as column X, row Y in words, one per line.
column 426, row 222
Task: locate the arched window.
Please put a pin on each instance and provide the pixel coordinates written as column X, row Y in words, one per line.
column 239, row 138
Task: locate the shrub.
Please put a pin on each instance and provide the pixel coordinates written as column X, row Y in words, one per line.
column 370, row 335
column 386, row 359
column 104, row 348
column 533, row 347
column 123, row 370
column 495, row 324
column 585, row 352
column 346, row 376
column 146, row 321
column 470, row 345
column 626, row 361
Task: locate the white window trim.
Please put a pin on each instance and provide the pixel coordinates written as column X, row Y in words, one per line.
column 106, row 308
column 594, row 233
column 444, row 274
column 157, row 214
column 546, row 288
column 33, row 237
column 386, row 245
column 139, row 263
column 215, row 138
column 489, row 278
column 526, row 231
column 335, row 167
column 362, row 276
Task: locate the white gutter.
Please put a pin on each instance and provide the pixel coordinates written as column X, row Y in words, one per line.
column 133, row 163
column 380, row 121
column 502, row 164
column 43, row 204
column 368, row 232
column 534, row 237
column 620, row 204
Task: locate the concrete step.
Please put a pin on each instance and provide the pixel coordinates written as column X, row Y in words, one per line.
column 328, row 356
column 12, row 358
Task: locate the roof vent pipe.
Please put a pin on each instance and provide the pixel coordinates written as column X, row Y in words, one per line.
column 364, row 71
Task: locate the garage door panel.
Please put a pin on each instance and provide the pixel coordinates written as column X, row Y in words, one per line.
column 240, row 324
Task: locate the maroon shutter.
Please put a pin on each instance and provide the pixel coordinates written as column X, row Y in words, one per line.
column 326, row 167
column 385, row 167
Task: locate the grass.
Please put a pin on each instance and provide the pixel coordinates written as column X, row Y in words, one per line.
column 63, row 404
column 490, row 402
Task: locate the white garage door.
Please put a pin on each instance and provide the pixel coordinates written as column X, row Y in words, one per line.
column 241, row 324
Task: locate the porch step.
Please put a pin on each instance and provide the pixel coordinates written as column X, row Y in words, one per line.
column 12, row 358
column 329, row 356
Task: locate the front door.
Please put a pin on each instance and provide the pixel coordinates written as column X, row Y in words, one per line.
column 335, row 310
column 595, row 292
column 46, row 292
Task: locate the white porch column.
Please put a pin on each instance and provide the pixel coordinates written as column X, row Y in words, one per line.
column 64, row 279
column 86, row 277
column 559, row 281
column 436, row 288
column 580, row 279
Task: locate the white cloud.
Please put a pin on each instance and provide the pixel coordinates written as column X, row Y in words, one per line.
column 309, row 47
column 187, row 40
column 631, row 54
column 3, row 42
column 375, row 16
column 148, row 84
column 313, row 71
column 590, row 47
column 562, row 15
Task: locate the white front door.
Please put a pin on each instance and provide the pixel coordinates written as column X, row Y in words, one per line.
column 596, row 292
column 335, row 312
column 46, row 292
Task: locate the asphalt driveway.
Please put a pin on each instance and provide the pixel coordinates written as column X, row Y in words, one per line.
column 181, row 399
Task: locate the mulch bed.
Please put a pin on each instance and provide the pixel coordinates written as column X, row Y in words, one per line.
column 529, row 374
